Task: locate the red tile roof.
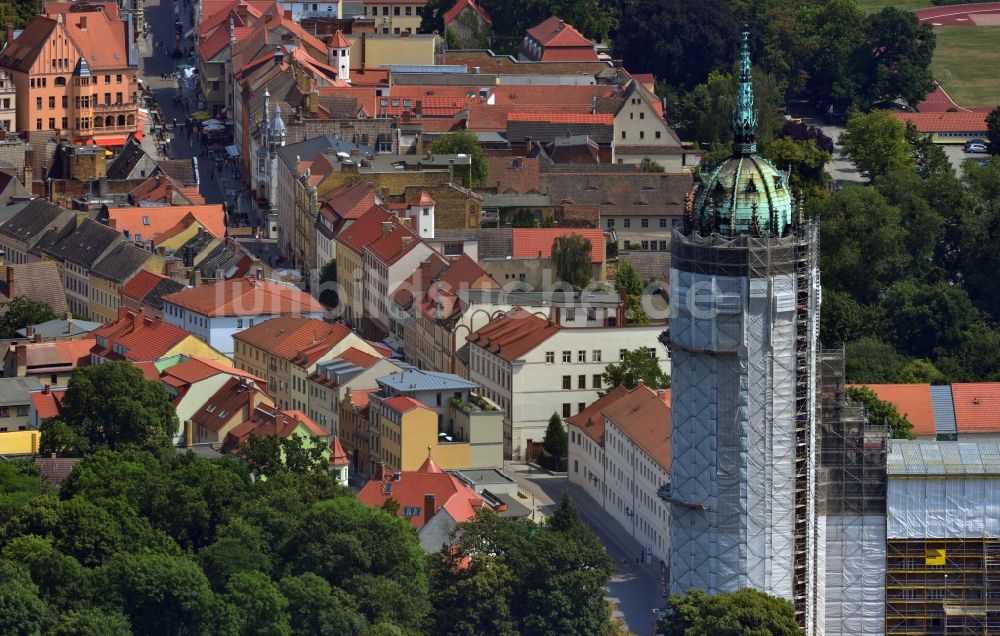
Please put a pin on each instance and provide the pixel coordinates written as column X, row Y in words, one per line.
column 365, row 230
column 643, row 415
column 235, row 396
column 514, row 334
column 461, row 5
column 977, row 407
column 337, row 455
column 57, row 355
column 945, row 122
column 144, row 338
column 911, row 400
column 48, row 402
column 392, row 246
column 403, row 404
column 358, row 358
column 299, row 340
column 555, row 32
column 591, row 419
column 266, row 421
column 412, row 487
column 338, row 41
column 141, row 284
column 150, row 222
column 196, row 369
column 101, row 37
column 537, row 242
column 564, row 118
column 245, row 297
column 351, row 200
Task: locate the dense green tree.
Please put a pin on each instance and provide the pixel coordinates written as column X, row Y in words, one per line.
column 471, row 598
column 113, row 406
column 881, row 412
column 679, row 42
column 22, row 612
column 648, row 165
column 477, row 172
column 863, row 242
column 91, row 622
column 301, row 457
column 555, row 445
column 636, row 364
column 262, row 607
column 900, row 50
column 22, row 312
column 62, row 582
column 993, row 131
column 871, row 361
column 328, row 285
column 922, row 319
column 834, row 51
column 806, row 161
column 876, row 143
column 565, row 518
column 844, row 319
column 928, row 157
column 977, row 357
column 317, row 609
column 161, row 594
column 746, row 612
column 229, row 556
column 704, row 113
column 627, row 278
column 571, row 256
column 974, row 233
column 20, row 482
column 921, row 372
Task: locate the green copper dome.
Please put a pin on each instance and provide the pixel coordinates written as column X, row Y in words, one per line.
column 747, row 194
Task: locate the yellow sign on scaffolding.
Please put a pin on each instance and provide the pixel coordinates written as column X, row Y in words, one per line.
column 934, row 557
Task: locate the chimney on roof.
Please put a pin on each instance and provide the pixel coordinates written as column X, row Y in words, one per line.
column 46, row 389
column 10, row 33
column 406, row 240
column 21, row 358
column 11, row 288
column 188, row 433
column 36, row 338
column 386, row 228
column 430, row 503
column 380, row 471
column 29, row 331
column 83, row 23
column 529, row 144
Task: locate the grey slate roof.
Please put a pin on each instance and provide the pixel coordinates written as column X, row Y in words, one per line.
column 180, row 170
column 414, row 380
column 155, row 296
column 61, row 328
column 493, row 242
column 16, row 390
column 943, row 408
column 33, row 220
column 222, row 258
column 121, row 263
column 931, row 458
column 545, row 132
column 126, row 161
column 309, row 148
column 84, row 245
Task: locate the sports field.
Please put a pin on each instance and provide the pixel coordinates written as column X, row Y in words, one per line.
column 966, row 62
column 870, row 6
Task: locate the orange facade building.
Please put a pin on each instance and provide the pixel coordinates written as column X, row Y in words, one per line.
column 75, row 69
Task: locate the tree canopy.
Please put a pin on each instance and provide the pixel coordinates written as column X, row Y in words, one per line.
column 742, row 613
column 555, row 445
column 22, row 312
column 881, row 412
column 463, row 142
column 572, row 260
column 636, row 364
column 110, row 405
column 876, row 142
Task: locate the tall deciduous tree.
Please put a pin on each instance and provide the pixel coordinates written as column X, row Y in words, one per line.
column 113, row 406
column 746, row 611
column 900, row 49
column 555, row 445
column 993, row 130
column 876, row 142
column 22, row 312
column 476, row 173
column 571, row 256
column 881, row 412
column 636, row 364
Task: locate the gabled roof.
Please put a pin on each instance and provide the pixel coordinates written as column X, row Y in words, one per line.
column 643, row 415
column 149, row 222
column 38, row 281
column 99, row 32
column 555, row 32
column 365, row 230
column 928, row 123
column 461, row 5
column 245, row 297
column 351, row 200
column 20, row 54
column 514, row 334
column 413, row 380
column 234, row 396
column 83, row 244
column 411, row 488
column 126, row 161
column 403, row 404
column 591, row 419
column 60, row 327
column 911, row 400
column 48, row 402
column 141, row 284
column 33, row 220
column 537, row 242
column 338, row 457
column 56, row 355
column 293, row 338
column 143, row 338
column 121, row 263
column 358, row 358
column 977, row 407
column 394, row 244
column 196, row 369
column 267, row 420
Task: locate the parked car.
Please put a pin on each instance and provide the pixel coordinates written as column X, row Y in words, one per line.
column 975, row 146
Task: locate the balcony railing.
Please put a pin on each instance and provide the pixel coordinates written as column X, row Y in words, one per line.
column 102, row 108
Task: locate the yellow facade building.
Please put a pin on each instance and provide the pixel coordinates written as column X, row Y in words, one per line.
column 404, row 429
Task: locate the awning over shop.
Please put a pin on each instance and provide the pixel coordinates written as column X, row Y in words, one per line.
column 110, row 141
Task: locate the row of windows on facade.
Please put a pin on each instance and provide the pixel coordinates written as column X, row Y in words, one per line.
column 84, row 123
column 42, row 82
column 581, row 382
column 409, row 10
column 22, row 411
column 642, row 134
column 627, row 223
column 84, row 101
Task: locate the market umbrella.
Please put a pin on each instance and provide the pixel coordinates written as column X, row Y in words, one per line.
column 214, row 128
column 200, row 115
column 211, row 122
column 184, row 67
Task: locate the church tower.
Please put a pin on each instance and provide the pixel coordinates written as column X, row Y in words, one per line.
column 744, row 292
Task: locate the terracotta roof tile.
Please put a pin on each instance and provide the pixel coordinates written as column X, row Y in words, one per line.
column 351, row 200
column 537, row 242
column 555, row 32
column 643, row 415
column 57, row 355
column 564, row 118
column 234, row 396
column 294, row 338
column 365, row 230
column 403, row 403
column 101, row 38
column 48, row 403
column 196, row 369
column 141, row 284
column 461, row 5
column 245, row 297
column 591, row 419
column 392, row 246
column 411, row 488
column 337, row 455
column 911, row 400
column 514, row 334
column 143, row 338
column 945, row 122
column 977, row 407
column 150, row 222
column 358, row 358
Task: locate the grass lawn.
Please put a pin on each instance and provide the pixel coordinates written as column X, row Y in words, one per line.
column 871, row 6
column 966, row 62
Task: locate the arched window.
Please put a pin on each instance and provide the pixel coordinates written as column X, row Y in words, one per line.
column 131, row 120
column 98, row 122
column 121, row 120
column 60, row 81
column 109, row 121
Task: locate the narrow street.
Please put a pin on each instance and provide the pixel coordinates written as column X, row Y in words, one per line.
column 633, row 587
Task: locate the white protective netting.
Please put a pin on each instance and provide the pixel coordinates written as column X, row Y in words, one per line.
column 854, row 593
column 929, row 508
